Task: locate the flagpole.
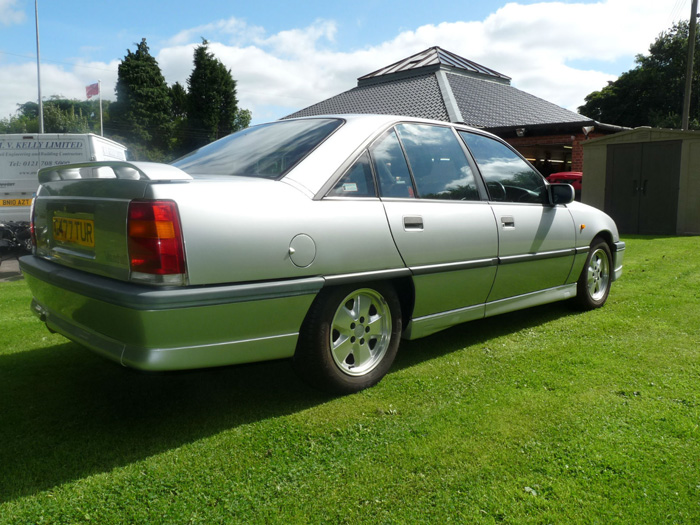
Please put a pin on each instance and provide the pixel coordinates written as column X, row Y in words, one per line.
column 38, row 67
column 99, row 89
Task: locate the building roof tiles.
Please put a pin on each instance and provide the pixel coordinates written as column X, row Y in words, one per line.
column 435, row 84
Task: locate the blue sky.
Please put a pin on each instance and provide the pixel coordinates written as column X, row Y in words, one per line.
column 288, row 55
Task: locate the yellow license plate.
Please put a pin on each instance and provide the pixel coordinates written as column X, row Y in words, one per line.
column 77, row 231
column 15, row 202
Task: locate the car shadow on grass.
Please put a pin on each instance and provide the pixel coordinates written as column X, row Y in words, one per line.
column 68, row 414
column 477, row 333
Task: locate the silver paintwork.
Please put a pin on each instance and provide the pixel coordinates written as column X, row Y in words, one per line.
column 258, row 252
column 161, row 334
column 618, row 255
column 526, row 230
column 456, row 233
column 241, row 230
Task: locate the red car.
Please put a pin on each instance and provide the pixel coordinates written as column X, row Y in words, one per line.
column 569, row 177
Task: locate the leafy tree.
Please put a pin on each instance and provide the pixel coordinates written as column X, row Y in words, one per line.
column 651, row 94
column 142, row 112
column 61, row 115
column 212, row 104
column 242, row 119
column 59, row 121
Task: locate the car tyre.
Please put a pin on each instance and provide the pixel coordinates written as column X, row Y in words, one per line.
column 349, row 338
column 594, row 283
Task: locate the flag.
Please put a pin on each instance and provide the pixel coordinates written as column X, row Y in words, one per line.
column 92, row 90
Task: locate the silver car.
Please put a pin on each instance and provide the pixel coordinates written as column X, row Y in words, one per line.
column 324, row 239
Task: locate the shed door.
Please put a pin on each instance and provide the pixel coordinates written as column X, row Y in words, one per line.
column 642, row 185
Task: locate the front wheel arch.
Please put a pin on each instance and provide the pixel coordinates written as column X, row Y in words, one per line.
column 593, row 285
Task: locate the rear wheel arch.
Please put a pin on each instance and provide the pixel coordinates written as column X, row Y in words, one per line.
column 407, row 297
column 332, row 355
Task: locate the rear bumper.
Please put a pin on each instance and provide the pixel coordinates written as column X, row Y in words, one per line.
column 151, row 328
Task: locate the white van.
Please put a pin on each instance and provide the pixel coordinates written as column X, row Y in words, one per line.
column 21, row 156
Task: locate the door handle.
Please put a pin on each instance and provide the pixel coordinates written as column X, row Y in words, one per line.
column 413, row 223
column 644, row 186
column 508, row 222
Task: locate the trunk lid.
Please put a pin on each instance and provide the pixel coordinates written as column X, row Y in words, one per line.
column 80, row 212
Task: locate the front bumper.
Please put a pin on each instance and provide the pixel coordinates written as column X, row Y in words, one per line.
column 618, row 254
column 151, row 328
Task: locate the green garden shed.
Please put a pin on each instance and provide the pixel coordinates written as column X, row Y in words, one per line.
column 646, row 179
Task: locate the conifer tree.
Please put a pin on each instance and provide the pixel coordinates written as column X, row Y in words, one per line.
column 212, row 104
column 142, row 111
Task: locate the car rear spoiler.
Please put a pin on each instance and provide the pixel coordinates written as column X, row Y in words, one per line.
column 112, row 170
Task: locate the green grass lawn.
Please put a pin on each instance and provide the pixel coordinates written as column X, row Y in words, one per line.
column 543, row 416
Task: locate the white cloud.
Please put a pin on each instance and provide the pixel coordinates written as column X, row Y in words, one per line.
column 232, row 31
column 300, row 43
column 19, row 82
column 9, row 13
column 537, row 45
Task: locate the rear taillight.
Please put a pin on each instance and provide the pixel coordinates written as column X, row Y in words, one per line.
column 156, row 251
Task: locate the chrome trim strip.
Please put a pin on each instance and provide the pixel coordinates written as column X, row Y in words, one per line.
column 510, row 259
column 448, row 267
column 144, row 297
column 583, row 249
column 619, row 246
column 366, row 276
column 224, row 343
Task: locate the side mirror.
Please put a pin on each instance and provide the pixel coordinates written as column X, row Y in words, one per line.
column 560, row 194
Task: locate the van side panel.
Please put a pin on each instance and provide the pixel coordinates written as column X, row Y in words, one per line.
column 22, row 155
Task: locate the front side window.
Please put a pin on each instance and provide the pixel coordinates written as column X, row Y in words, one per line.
column 508, row 177
column 267, row 151
column 390, row 166
column 440, row 167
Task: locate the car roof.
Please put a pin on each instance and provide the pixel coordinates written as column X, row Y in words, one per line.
column 348, row 141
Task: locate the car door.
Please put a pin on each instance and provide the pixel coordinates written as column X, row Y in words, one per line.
column 536, row 239
column 441, row 222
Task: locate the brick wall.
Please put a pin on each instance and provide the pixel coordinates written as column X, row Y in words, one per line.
column 577, row 150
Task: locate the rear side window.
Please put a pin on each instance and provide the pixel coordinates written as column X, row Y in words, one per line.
column 357, row 181
column 391, row 168
column 438, row 162
column 267, row 151
column 508, row 177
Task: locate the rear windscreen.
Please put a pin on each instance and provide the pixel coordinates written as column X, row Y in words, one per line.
column 266, row 151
